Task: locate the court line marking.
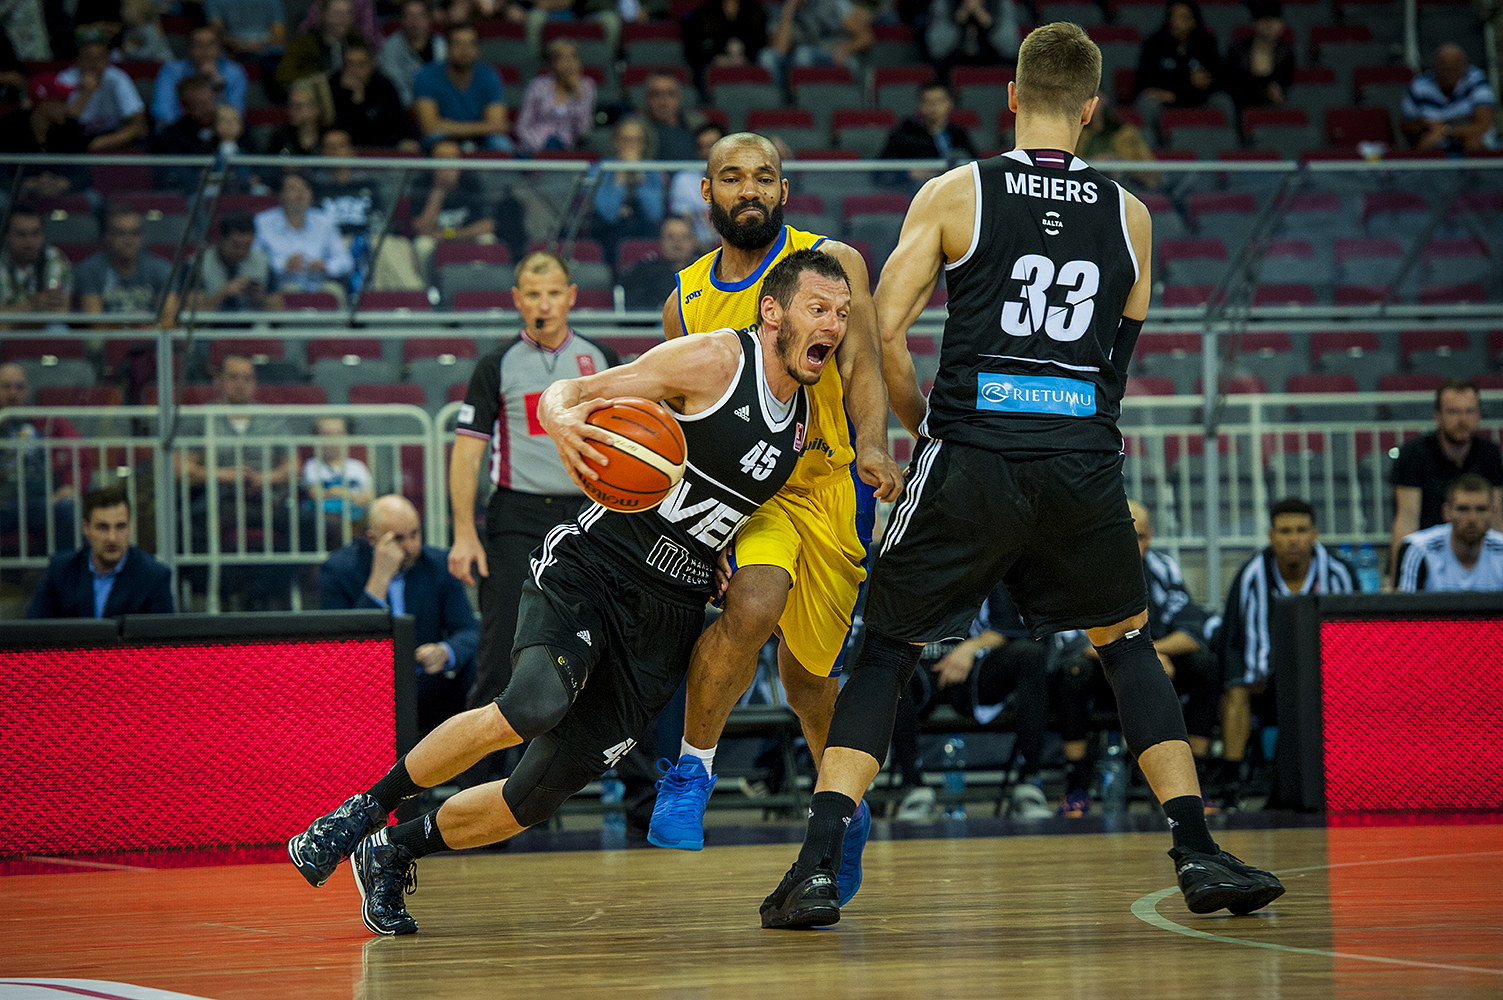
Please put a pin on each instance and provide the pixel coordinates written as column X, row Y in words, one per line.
column 1146, row 909
column 72, row 863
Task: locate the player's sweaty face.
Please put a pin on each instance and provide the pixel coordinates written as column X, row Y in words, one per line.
column 746, row 191
column 813, row 326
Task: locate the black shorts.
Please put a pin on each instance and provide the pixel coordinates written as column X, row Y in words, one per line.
column 634, row 641
column 1056, row 530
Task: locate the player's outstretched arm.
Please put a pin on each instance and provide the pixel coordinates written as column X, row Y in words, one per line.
column 688, row 374
column 860, row 362
column 908, row 281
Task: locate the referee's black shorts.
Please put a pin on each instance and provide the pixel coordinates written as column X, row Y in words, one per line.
column 1056, row 530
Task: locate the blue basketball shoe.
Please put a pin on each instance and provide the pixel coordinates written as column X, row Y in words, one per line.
column 851, row 848
column 678, row 816
column 331, row 838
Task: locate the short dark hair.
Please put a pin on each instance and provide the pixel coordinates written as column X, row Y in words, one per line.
column 1456, row 385
column 115, row 210
column 454, row 29
column 198, row 81
column 109, row 496
column 22, row 209
column 929, row 85
column 1468, row 482
column 783, row 281
column 236, row 222
column 1291, row 505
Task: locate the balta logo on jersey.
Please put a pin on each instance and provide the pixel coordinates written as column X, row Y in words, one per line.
column 1052, row 223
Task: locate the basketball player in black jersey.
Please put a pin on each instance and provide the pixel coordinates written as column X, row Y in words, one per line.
column 1018, row 476
column 614, row 602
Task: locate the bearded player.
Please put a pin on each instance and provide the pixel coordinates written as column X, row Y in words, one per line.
column 798, row 563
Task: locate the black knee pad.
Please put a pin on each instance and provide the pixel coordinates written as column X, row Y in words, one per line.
column 1146, row 701
column 868, row 703
column 546, row 776
column 543, row 686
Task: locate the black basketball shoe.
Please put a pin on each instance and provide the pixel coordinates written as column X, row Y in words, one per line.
column 384, row 872
column 1213, row 881
column 331, row 838
column 803, row 899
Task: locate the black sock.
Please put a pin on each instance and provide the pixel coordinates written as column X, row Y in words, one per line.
column 395, row 786
column 420, row 836
column 1078, row 777
column 1187, row 821
column 829, row 814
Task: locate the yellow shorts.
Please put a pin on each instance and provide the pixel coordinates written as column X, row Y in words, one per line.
column 822, row 539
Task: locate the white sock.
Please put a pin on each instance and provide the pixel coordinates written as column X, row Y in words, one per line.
column 706, row 757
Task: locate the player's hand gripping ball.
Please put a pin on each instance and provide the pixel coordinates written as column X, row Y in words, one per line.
column 647, row 455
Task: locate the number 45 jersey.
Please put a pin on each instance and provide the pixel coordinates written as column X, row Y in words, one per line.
column 1026, row 366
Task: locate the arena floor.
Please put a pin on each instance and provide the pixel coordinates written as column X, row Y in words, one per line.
column 1372, row 911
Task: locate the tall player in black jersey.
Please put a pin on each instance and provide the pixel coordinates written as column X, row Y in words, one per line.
column 615, row 601
column 1019, row 474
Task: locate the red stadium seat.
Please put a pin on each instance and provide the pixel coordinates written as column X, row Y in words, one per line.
column 1441, row 342
column 77, row 395
column 292, row 395
column 1338, row 382
column 595, row 298
column 813, row 204
column 398, row 392
column 463, row 252
column 874, row 204
column 631, row 252
column 1432, row 295
column 1410, row 382
column 1352, row 343
column 1149, row 385
column 412, row 301
column 416, row 348
column 1349, row 126
column 338, row 348
column 37, row 348
column 457, row 391
column 482, row 300
column 771, row 119
column 310, row 301
column 257, row 349
column 1284, row 295
column 1358, row 295
column 1181, row 296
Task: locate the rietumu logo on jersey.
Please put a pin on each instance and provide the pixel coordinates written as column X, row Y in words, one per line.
column 1035, row 394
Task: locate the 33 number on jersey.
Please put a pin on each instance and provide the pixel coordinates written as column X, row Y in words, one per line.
column 1077, row 280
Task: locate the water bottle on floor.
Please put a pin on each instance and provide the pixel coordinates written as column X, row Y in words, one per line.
column 612, row 791
column 954, row 764
column 1114, row 777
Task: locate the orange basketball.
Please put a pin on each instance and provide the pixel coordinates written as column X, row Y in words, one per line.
column 647, row 455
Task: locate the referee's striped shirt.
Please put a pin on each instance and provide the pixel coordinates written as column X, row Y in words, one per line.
column 1244, row 635
column 1427, row 562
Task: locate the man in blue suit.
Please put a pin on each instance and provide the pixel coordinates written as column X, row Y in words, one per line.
column 391, row 568
column 111, row 577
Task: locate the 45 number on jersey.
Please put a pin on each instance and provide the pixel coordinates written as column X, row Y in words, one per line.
column 760, row 460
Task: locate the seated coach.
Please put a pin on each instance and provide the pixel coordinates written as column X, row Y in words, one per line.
column 111, row 576
column 391, row 568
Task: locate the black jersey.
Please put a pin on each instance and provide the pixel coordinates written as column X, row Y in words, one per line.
column 741, row 451
column 1026, row 362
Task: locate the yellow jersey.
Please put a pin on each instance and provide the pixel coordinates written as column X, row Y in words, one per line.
column 707, row 303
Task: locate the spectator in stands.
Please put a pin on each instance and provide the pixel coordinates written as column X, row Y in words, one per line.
column 461, row 98
column 817, row 33
column 26, row 30
column 206, row 59
column 410, row 48
column 685, row 197
column 1426, row 465
column 454, row 206
column 558, row 109
column 111, row 576
column 1179, row 67
column 264, row 473
column 104, row 100
column 1461, row 554
column 628, row 203
column 391, row 568
column 302, row 242
column 1260, row 68
column 124, row 277
column 23, row 469
column 46, row 128
column 999, row 660
column 310, row 113
column 723, row 33
column 669, row 136
column 1451, row 106
column 351, row 198
column 1294, row 563
column 1107, row 137
column 34, row 277
column 972, row 33
column 251, row 29
column 928, row 135
column 362, row 18
column 320, row 49
column 334, row 483
column 366, row 105
column 651, row 281
column 233, row 276
column 143, row 39
column 199, row 131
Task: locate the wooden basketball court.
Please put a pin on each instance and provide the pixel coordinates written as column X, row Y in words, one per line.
column 1389, row 911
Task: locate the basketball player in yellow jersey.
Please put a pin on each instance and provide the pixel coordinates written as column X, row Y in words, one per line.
column 799, row 561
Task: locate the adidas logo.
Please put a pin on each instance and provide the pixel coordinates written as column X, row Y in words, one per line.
column 585, row 635
column 744, row 413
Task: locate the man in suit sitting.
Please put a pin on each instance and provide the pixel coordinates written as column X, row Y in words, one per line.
column 111, row 577
column 391, row 568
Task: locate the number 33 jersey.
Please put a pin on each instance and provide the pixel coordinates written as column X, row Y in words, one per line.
column 1025, row 366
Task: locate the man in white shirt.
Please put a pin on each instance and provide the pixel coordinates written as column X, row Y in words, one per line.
column 1461, row 554
column 302, row 242
column 334, row 481
column 104, row 100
